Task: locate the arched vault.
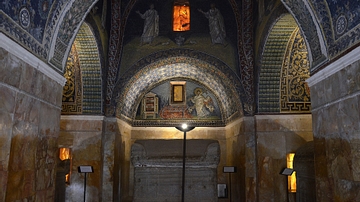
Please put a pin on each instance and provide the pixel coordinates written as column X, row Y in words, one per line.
column 179, row 64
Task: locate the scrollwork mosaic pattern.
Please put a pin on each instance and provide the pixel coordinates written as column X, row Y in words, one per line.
column 308, row 27
column 72, row 91
column 69, row 24
column 114, row 53
column 295, row 94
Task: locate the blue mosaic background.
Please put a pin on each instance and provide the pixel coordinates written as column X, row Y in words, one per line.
column 349, row 9
column 39, row 13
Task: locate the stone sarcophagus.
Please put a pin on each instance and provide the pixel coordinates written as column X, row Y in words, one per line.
column 158, row 170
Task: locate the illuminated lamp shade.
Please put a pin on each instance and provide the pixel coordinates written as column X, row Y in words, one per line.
column 181, row 16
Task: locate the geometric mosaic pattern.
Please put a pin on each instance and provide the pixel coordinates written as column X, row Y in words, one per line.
column 83, row 91
column 90, row 70
column 271, row 64
column 284, row 69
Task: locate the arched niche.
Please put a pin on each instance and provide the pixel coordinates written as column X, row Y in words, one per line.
column 215, row 77
column 284, row 69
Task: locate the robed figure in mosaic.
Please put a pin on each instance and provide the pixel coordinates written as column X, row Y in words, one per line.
column 151, row 25
column 202, row 104
column 216, row 25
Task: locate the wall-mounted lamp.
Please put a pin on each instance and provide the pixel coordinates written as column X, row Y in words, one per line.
column 184, row 128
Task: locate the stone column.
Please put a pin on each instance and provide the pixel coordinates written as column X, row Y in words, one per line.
column 251, row 175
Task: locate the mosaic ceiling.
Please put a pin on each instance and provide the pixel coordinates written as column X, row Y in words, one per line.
column 47, row 29
column 337, row 29
column 36, row 24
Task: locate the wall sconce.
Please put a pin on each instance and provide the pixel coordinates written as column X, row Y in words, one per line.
column 292, row 177
column 65, row 154
column 181, row 16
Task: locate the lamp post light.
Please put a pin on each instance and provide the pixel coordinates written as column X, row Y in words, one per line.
column 184, row 128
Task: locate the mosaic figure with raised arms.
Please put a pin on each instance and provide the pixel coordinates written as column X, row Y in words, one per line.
column 151, row 25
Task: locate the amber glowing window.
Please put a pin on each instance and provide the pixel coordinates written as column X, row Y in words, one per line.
column 292, row 177
column 64, row 154
column 181, row 17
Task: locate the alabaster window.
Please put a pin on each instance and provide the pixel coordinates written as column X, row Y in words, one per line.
column 65, row 154
column 181, row 16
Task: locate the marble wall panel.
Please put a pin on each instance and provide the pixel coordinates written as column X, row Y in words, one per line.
column 158, row 170
column 338, row 85
column 336, row 122
column 7, row 105
column 124, row 180
column 83, row 134
column 241, row 152
column 276, row 136
column 11, row 69
column 28, row 141
column 108, row 158
column 236, row 156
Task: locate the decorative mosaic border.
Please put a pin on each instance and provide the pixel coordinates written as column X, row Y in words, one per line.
column 72, row 91
column 118, row 23
column 16, row 32
column 59, row 27
column 66, row 32
column 245, row 27
column 308, row 27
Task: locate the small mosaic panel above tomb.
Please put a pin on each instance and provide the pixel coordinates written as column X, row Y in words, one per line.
column 197, row 102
